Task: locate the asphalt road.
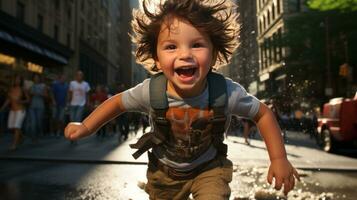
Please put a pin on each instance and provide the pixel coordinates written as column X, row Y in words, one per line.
column 104, row 169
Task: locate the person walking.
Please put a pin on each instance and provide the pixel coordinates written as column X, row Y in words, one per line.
column 16, row 98
column 38, row 93
column 59, row 97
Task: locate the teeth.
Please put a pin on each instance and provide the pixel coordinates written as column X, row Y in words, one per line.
column 186, row 68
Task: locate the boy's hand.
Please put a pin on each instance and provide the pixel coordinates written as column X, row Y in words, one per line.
column 76, row 130
column 284, row 173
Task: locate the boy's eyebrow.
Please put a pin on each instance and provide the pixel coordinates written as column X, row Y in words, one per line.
column 174, row 41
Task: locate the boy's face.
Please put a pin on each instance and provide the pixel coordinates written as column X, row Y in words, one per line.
column 185, row 56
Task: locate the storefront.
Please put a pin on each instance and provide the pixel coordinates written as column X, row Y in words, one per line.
column 25, row 51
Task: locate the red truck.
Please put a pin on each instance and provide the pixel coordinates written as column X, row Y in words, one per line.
column 338, row 124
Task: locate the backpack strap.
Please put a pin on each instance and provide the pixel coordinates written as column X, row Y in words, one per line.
column 159, row 104
column 217, row 88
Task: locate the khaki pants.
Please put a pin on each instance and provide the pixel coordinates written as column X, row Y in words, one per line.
column 212, row 184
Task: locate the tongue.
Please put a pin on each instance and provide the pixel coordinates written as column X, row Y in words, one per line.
column 185, row 72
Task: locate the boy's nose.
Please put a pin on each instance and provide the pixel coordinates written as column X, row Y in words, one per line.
column 185, row 53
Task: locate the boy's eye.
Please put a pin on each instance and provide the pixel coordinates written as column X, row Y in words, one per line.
column 197, row 45
column 170, row 47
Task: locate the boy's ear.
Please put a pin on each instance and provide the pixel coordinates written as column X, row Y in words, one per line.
column 157, row 63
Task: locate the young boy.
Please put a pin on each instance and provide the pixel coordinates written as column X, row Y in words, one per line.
column 186, row 40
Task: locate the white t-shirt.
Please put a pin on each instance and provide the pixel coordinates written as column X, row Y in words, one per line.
column 240, row 103
column 79, row 92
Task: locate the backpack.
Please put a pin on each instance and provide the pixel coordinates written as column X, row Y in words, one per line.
column 217, row 89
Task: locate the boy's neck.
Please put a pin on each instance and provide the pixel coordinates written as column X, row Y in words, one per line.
column 182, row 94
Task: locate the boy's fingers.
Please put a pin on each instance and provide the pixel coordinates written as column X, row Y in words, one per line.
column 292, row 182
column 278, row 183
column 270, row 177
column 75, row 134
column 287, row 185
column 67, row 131
column 296, row 174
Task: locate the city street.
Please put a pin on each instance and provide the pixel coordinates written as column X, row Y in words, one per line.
column 101, row 168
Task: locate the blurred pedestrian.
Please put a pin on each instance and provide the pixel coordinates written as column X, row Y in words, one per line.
column 248, row 126
column 78, row 96
column 144, row 122
column 17, row 98
column 3, row 114
column 38, row 93
column 59, row 102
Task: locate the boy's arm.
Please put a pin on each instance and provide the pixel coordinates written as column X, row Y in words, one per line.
column 270, row 132
column 280, row 167
column 108, row 110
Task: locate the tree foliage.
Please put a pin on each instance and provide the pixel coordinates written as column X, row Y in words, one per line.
column 327, row 5
column 306, row 38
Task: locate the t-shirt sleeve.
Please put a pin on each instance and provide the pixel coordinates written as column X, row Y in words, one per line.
column 241, row 103
column 137, row 99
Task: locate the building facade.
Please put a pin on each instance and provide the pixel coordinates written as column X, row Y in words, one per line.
column 35, row 37
column 271, row 19
column 62, row 36
column 244, row 65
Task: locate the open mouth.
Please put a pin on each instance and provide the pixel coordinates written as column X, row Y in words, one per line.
column 185, row 72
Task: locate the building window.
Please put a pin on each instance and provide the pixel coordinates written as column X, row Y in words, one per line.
column 264, row 22
column 260, row 26
column 57, row 4
column 82, row 28
column 275, row 46
column 20, row 11
column 268, row 17
column 69, row 13
column 69, row 40
column 82, row 5
column 55, row 34
column 273, row 12
column 279, row 7
column 269, row 49
column 280, row 49
column 40, row 23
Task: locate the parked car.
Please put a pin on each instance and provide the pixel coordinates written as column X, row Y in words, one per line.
column 338, row 124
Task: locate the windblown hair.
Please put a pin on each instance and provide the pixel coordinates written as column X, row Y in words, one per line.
column 216, row 18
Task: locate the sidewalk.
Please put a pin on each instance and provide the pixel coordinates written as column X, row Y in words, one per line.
column 302, row 152
column 57, row 149
column 109, row 151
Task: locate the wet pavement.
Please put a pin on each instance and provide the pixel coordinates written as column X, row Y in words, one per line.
column 37, row 180
column 107, row 171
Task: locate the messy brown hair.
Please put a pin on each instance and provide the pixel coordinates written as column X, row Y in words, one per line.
column 216, row 18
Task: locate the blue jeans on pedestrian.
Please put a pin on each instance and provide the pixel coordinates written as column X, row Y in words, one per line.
column 76, row 113
column 58, row 113
column 36, row 121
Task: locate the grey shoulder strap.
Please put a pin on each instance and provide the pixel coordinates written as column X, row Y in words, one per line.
column 217, row 88
column 158, row 97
